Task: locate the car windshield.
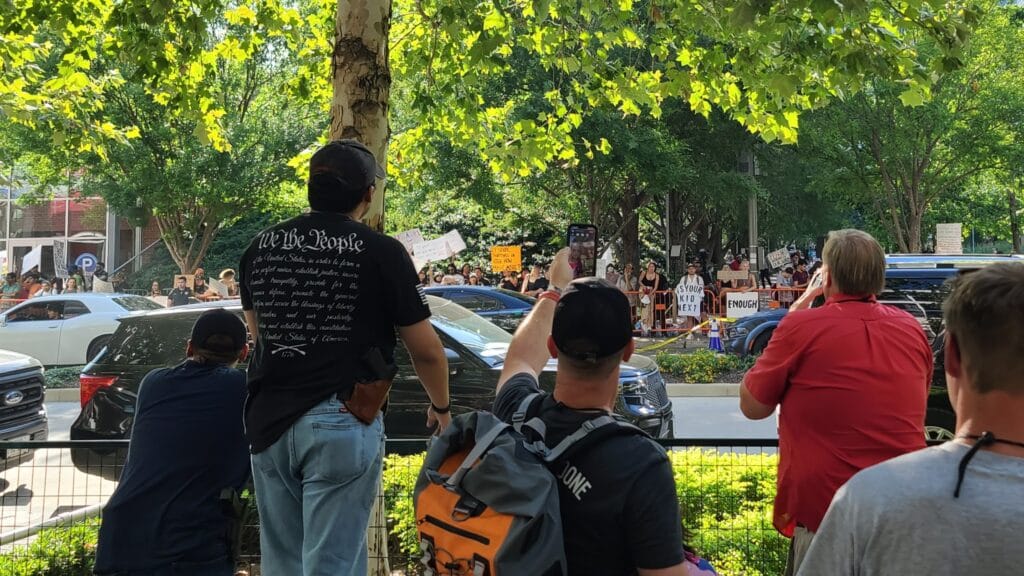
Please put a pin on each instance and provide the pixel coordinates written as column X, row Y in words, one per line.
column 529, row 300
column 482, row 337
column 136, row 303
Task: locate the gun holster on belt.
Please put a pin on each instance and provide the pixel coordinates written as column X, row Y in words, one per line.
column 368, row 394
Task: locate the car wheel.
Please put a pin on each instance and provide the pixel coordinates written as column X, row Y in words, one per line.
column 760, row 343
column 939, row 426
column 95, row 347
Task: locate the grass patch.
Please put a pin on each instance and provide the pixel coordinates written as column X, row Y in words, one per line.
column 66, row 377
column 703, row 366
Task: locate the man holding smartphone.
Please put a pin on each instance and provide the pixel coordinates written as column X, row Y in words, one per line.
column 851, row 378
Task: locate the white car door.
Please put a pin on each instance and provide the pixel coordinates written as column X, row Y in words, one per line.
column 33, row 328
column 81, row 327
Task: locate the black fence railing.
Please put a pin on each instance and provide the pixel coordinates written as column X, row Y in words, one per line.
column 52, row 495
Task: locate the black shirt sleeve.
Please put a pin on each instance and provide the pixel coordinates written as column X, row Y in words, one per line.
column 243, row 280
column 512, row 394
column 404, row 296
column 653, row 530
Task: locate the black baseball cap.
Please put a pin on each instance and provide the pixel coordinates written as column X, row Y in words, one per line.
column 592, row 320
column 219, row 322
column 349, row 162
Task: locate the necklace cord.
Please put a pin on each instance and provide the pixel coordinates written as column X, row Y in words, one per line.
column 980, row 441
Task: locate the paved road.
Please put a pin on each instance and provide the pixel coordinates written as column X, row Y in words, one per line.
column 48, row 484
column 694, row 418
column 717, row 418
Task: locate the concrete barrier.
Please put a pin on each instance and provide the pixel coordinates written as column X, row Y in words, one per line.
column 62, row 395
column 702, row 390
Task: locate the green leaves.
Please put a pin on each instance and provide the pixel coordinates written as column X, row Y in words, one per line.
column 761, row 62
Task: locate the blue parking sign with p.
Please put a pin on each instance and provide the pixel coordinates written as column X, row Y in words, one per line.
column 86, row 263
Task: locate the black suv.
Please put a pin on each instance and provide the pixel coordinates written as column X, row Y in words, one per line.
column 475, row 348
column 22, row 415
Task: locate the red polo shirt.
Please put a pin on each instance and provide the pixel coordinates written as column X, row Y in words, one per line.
column 852, row 378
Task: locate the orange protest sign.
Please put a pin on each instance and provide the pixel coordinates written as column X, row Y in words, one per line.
column 506, row 258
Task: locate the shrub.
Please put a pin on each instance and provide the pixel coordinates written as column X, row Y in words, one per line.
column 64, row 551
column 725, row 503
column 701, row 366
column 66, row 377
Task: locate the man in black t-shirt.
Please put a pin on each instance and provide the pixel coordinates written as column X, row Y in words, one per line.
column 323, row 295
column 618, row 501
column 166, row 516
column 180, row 294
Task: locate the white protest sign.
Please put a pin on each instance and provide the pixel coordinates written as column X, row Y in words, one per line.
column 218, row 287
column 432, row 250
column 729, row 275
column 455, row 242
column 102, row 286
column 740, row 304
column 778, row 258
column 689, row 297
column 32, row 260
column 410, row 238
column 949, row 239
column 60, row 258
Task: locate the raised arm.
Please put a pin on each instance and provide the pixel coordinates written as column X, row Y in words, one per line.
column 529, row 349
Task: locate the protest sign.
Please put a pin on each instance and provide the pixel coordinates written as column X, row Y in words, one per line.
column 689, row 297
column 410, row 238
column 432, row 250
column 778, row 258
column 506, row 258
column 728, row 275
column 455, row 242
column 740, row 304
column 949, row 239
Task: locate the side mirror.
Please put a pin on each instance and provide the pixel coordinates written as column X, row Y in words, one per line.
column 455, row 361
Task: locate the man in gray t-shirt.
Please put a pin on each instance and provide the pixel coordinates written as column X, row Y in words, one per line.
column 956, row 508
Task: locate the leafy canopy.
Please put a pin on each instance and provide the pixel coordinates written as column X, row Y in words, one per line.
column 761, row 61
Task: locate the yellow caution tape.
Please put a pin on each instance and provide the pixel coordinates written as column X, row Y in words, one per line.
column 689, row 333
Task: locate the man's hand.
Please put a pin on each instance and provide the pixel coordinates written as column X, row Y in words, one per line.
column 560, row 273
column 815, row 288
column 441, row 421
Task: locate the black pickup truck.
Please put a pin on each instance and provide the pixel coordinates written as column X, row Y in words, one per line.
column 22, row 414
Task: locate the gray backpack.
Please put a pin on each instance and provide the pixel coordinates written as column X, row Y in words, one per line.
column 486, row 503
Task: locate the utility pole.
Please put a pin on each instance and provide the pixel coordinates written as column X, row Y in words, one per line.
column 748, row 166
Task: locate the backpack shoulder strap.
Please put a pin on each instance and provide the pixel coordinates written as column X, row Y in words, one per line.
column 519, row 418
column 604, row 422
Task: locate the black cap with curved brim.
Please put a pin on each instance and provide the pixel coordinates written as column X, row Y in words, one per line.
column 351, row 165
column 219, row 322
column 592, row 320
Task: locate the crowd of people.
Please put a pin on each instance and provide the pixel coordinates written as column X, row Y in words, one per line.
column 33, row 284
column 857, row 491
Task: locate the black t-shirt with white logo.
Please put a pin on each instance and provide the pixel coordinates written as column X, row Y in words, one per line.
column 325, row 289
column 618, row 495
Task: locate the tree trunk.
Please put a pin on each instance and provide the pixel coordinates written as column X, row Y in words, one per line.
column 362, row 84
column 1014, row 220
column 359, row 110
column 631, row 231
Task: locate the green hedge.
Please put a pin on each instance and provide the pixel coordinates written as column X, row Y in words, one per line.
column 66, row 377
column 725, row 503
column 702, row 366
column 65, row 551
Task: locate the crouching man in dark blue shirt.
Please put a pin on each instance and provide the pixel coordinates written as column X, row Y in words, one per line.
column 165, row 517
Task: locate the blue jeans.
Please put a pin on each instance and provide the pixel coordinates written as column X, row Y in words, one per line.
column 314, row 490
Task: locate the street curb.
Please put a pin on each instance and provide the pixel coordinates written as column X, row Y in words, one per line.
column 702, row 390
column 62, row 395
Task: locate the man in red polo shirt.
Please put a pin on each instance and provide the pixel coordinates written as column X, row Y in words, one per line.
column 852, row 381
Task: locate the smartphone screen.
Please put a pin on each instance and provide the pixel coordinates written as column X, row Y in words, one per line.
column 582, row 250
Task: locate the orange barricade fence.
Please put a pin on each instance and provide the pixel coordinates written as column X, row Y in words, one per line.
column 8, row 303
column 657, row 313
